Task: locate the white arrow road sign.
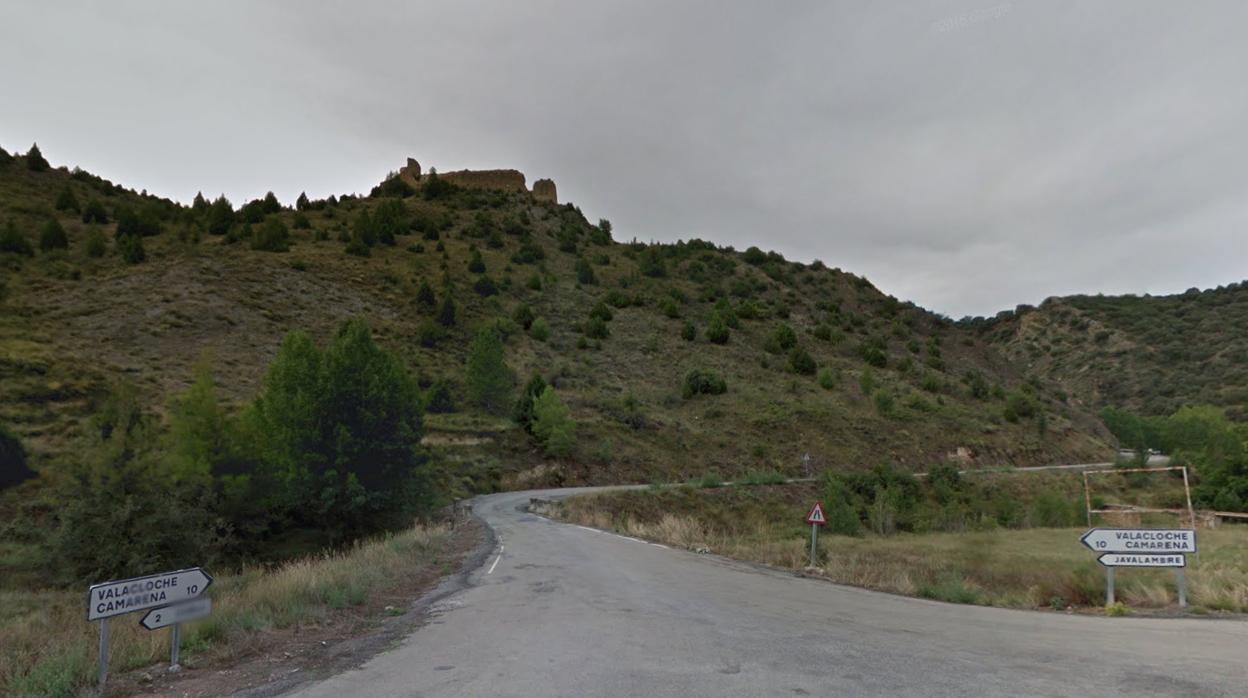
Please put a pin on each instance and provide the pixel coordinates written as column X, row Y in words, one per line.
column 1141, row 540
column 177, row 613
column 109, row 599
column 1142, row 560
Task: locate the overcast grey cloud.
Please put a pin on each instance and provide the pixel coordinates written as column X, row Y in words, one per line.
column 968, row 156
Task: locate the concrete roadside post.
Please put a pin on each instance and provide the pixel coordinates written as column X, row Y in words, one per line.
column 816, row 519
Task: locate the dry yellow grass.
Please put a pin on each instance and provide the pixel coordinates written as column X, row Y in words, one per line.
column 1030, row 568
column 49, row 648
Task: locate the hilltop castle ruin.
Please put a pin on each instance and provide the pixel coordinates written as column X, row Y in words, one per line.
column 502, row 180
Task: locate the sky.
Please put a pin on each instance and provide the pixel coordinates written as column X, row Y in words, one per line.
column 967, row 156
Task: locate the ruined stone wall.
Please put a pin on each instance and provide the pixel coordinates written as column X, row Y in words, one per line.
column 499, row 180
column 502, row 180
column 544, row 190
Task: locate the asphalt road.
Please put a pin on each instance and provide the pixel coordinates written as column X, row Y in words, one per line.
column 560, row 610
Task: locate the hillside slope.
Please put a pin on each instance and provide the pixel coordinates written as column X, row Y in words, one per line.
column 894, row 383
column 1152, row 354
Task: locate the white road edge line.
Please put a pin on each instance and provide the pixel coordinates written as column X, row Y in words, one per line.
column 501, row 548
column 587, row 528
column 660, row 545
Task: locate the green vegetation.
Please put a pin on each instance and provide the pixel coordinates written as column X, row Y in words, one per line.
column 1015, row 566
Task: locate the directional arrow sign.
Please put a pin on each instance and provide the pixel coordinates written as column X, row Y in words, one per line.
column 177, row 613
column 114, row 598
column 1142, row 560
column 1141, row 540
column 816, row 515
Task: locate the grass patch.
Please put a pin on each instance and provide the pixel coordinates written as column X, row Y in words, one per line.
column 1018, row 568
column 48, row 649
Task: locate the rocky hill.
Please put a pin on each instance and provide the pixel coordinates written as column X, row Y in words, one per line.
column 820, row 368
column 1151, row 354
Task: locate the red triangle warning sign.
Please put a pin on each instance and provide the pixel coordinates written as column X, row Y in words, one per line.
column 816, row 515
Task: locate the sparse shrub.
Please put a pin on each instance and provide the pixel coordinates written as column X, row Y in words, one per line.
column 426, row 300
column 782, row 339
column 94, row 212
column 96, row 244
column 429, row 333
column 476, row 264
column 485, row 286
column 885, row 403
column 52, row 237
column 801, row 362
column 585, row 273
column 66, row 201
column 539, row 330
column 717, row 329
column 302, row 222
column 271, row 236
column 702, row 382
column 651, row 262
column 487, row 376
column 523, row 316
column 13, row 468
column 669, row 308
column 596, row 328
column 601, row 311
column 827, row 378
column 1116, row 609
column 866, row 382
column 130, row 247
column 439, row 399
column 535, row 282
column 754, row 256
column 688, row 331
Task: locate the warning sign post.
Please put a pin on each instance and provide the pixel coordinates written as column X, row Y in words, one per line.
column 816, row 519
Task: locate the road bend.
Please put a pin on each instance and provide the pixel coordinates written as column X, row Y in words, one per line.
column 562, row 610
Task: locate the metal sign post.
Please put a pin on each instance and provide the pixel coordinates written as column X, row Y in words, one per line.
column 1142, row 547
column 175, row 616
column 816, row 519
column 122, row 596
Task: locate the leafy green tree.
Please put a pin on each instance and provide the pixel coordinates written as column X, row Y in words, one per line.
column 200, row 205
column 488, row 379
column 425, row 298
column 302, row 203
column 66, row 201
column 14, row 242
column 552, row 424
column 35, row 161
column 522, row 413
column 390, row 219
column 446, row 311
column 838, row 507
column 120, row 484
column 363, row 229
column 53, row 237
column 342, row 427
column 220, row 217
